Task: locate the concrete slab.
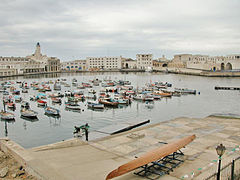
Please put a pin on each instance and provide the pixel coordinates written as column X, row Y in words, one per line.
column 76, row 159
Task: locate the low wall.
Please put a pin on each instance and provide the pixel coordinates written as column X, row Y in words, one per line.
column 21, row 155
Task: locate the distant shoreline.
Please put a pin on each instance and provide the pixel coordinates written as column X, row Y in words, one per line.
column 184, row 71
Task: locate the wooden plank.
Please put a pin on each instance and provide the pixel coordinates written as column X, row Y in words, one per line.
column 151, row 156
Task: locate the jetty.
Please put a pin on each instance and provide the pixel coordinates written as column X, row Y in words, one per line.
column 226, row 88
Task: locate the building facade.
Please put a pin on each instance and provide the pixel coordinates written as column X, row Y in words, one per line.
column 104, row 63
column 214, row 63
column 129, row 64
column 52, row 64
column 144, row 61
column 76, row 65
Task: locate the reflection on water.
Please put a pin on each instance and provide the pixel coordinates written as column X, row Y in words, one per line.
column 48, row 129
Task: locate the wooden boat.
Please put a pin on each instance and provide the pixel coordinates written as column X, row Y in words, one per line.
column 162, row 94
column 7, row 115
column 51, row 111
column 73, row 106
column 16, row 92
column 86, row 85
column 41, row 102
column 28, row 113
column 92, row 91
column 185, row 91
column 56, row 100
column 72, row 99
column 95, row 105
column 11, row 105
column 57, row 87
column 18, row 99
column 151, row 156
column 25, row 105
column 24, row 91
column 108, row 102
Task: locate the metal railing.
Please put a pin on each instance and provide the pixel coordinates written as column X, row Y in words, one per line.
column 231, row 171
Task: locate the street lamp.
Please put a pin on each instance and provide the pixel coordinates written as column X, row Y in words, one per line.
column 220, row 151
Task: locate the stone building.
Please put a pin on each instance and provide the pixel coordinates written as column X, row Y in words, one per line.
column 52, row 64
column 214, row 63
column 76, row 65
column 129, row 64
column 20, row 65
column 104, row 63
column 144, row 61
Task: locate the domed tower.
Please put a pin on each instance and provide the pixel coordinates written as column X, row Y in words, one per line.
column 37, row 53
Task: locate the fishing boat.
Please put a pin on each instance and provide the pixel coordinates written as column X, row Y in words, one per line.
column 24, row 91
column 51, row 111
column 25, row 105
column 73, row 106
column 41, row 102
column 94, row 105
column 16, row 92
column 108, row 102
column 18, row 99
column 86, row 85
column 11, row 105
column 185, row 91
column 6, row 93
column 7, row 115
column 56, row 100
column 139, row 97
column 57, row 87
column 92, row 91
column 28, row 113
column 72, row 99
column 162, row 94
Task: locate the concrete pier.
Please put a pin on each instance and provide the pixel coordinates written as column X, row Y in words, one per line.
column 75, row 159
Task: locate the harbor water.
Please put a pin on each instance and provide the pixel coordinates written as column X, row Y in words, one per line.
column 48, row 129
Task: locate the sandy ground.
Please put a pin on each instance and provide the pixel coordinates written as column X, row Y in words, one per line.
column 11, row 169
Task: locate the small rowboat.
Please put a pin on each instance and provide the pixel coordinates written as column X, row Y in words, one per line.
column 11, row 105
column 73, row 106
column 6, row 115
column 51, row 111
column 56, row 100
column 41, row 103
column 28, row 113
column 95, row 105
column 108, row 102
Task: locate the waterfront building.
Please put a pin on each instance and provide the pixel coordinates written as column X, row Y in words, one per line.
column 144, row 61
column 161, row 63
column 76, row 65
column 214, row 63
column 19, row 66
column 104, row 63
column 35, row 63
column 129, row 64
column 52, row 64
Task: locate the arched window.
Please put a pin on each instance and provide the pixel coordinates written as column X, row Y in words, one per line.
column 222, row 66
column 228, row 66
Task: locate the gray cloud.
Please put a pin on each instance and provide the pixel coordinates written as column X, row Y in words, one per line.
column 76, row 29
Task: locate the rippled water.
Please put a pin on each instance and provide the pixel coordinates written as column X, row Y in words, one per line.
column 49, row 130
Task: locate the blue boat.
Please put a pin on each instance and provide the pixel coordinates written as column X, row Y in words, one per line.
column 95, row 105
column 51, row 111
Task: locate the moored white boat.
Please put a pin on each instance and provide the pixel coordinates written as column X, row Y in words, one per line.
column 51, row 111
column 28, row 113
column 95, row 105
column 73, row 106
column 7, row 115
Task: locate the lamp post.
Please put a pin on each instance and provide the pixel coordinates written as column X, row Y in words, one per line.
column 220, row 151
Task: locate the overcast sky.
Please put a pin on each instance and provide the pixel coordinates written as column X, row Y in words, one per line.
column 76, row 29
